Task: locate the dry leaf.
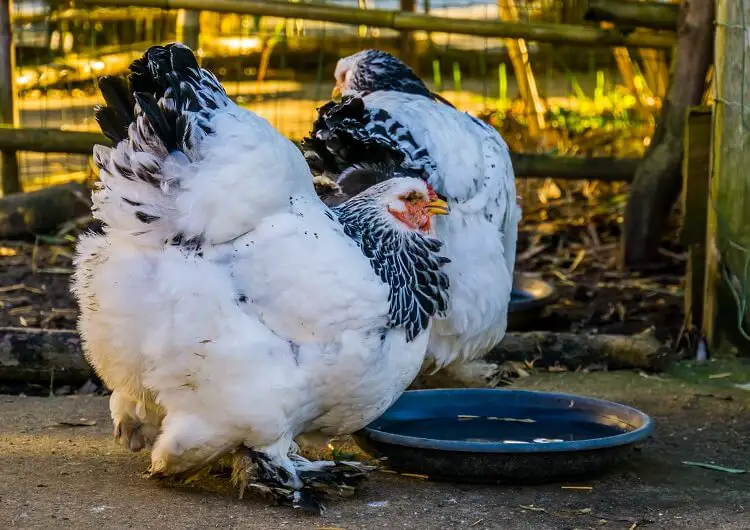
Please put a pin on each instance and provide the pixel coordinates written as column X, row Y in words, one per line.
column 576, row 262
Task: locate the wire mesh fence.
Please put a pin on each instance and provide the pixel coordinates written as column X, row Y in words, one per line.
column 730, row 188
column 590, row 100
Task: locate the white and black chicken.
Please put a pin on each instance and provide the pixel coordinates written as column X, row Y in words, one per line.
column 388, row 114
column 215, row 304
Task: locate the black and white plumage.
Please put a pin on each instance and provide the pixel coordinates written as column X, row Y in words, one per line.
column 373, row 70
column 418, row 288
column 387, row 113
column 213, row 304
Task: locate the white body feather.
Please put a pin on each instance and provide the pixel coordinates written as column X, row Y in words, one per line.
column 473, row 169
column 305, row 350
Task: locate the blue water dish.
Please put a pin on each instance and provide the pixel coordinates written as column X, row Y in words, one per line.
column 495, row 435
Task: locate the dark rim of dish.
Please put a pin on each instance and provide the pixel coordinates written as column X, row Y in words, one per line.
column 538, row 294
column 610, row 410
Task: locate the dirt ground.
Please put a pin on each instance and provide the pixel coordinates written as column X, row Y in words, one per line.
column 56, row 476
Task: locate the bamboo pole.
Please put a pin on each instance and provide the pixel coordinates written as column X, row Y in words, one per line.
column 635, row 84
column 8, row 159
column 627, row 70
column 655, row 70
column 728, row 239
column 526, row 166
column 652, row 15
column 519, row 58
column 265, row 57
column 561, row 33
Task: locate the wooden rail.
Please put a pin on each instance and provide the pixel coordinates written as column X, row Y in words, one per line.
column 652, row 15
column 123, row 14
column 526, row 166
column 397, row 20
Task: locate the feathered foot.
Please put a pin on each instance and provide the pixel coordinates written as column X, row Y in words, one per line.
column 472, row 374
column 129, row 433
column 314, row 481
column 135, row 427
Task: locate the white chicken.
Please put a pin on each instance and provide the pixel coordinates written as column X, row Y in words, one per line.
column 214, row 304
column 389, row 114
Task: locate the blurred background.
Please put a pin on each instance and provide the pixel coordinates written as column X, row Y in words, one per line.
column 577, row 99
column 544, row 97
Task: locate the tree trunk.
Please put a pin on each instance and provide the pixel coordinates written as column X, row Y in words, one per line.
column 519, row 57
column 658, row 179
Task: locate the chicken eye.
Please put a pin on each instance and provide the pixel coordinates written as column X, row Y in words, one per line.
column 412, row 196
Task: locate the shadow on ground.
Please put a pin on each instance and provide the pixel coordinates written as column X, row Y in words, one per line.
column 56, row 476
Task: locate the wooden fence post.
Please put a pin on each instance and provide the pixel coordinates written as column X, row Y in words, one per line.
column 9, row 172
column 407, row 50
column 189, row 28
column 726, row 321
column 696, row 176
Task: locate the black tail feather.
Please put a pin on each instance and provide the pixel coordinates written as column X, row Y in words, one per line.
column 148, row 75
column 149, row 72
column 183, row 60
column 338, row 141
column 165, row 82
column 165, row 106
column 118, row 114
column 162, row 126
column 348, row 133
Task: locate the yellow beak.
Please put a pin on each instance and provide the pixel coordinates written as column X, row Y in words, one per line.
column 438, row 207
column 336, row 93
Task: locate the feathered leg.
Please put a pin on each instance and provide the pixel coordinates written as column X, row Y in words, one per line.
column 188, row 444
column 136, row 422
column 474, row 374
column 294, row 480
